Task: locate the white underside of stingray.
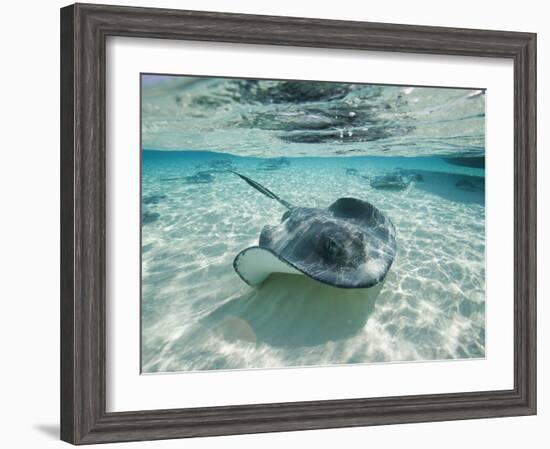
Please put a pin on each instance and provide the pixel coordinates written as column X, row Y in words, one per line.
column 255, row 264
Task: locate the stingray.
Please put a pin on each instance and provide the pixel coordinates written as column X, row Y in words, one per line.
column 391, row 181
column 410, row 175
column 153, row 199
column 149, row 217
column 201, row 177
column 216, row 165
column 274, row 164
column 350, row 244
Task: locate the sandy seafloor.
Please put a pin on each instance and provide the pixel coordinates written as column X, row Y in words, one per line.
column 197, row 314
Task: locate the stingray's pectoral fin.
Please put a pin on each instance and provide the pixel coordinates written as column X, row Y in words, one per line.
column 255, row 264
column 260, row 188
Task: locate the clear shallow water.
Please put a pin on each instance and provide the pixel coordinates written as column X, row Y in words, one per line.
column 310, row 143
column 198, row 315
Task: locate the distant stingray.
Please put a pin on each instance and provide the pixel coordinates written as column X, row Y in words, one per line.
column 201, row 177
column 411, row 175
column 391, row 181
column 224, row 164
column 153, row 199
column 351, row 244
column 274, row 164
column 149, row 217
column 216, row 166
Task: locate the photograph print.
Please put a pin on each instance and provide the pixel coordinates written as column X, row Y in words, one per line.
column 297, row 223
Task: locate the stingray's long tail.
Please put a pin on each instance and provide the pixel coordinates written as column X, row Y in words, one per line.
column 264, row 190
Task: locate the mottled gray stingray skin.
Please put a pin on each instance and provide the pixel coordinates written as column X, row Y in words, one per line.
column 351, row 244
column 392, row 181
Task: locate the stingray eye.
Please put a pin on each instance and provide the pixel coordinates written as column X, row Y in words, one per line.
column 331, row 249
column 330, row 246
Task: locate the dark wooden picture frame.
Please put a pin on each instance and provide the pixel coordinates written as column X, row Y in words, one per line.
column 84, row 29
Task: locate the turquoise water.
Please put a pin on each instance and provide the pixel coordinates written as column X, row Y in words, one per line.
column 197, row 314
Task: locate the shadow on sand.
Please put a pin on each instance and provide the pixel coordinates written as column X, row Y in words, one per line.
column 294, row 311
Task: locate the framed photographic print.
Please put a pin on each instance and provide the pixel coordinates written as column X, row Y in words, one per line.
column 267, row 223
